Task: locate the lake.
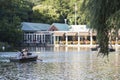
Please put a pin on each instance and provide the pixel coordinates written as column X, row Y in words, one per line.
column 62, row 63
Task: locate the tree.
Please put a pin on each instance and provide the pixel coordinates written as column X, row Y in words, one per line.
column 57, row 11
column 103, row 16
column 45, row 14
column 12, row 12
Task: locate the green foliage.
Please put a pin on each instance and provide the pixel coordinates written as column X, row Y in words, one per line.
column 44, row 14
column 58, row 10
column 103, row 16
column 11, row 16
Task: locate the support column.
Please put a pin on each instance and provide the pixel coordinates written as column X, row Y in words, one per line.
column 66, row 40
column 54, row 39
column 25, row 37
column 78, row 39
column 41, row 38
column 51, row 39
column 28, row 38
column 32, row 35
column 116, row 44
column 36, row 37
column 33, row 41
column 91, row 39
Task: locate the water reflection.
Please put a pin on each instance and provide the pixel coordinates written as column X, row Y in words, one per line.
column 41, row 49
column 58, row 49
column 61, row 63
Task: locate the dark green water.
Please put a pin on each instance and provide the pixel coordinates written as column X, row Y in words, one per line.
column 62, row 64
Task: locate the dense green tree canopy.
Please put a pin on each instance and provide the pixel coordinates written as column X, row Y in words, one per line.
column 58, row 10
column 12, row 12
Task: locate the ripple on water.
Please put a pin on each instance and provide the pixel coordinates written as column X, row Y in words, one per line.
column 63, row 66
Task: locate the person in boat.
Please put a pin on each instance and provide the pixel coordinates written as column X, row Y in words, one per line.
column 23, row 53
column 26, row 52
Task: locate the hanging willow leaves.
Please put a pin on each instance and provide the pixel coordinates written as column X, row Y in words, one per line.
column 103, row 16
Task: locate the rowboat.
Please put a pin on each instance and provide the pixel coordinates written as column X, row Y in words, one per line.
column 24, row 59
column 96, row 49
column 111, row 50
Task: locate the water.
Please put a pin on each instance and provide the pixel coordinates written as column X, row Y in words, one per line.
column 62, row 64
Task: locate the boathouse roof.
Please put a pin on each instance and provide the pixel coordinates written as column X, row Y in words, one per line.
column 27, row 26
column 59, row 27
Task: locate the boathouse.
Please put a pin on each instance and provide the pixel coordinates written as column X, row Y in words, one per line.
column 57, row 34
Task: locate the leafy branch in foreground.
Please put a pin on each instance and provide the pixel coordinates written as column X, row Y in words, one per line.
column 103, row 16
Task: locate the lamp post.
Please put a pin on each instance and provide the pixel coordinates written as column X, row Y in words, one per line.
column 3, row 48
column 75, row 13
column 65, row 21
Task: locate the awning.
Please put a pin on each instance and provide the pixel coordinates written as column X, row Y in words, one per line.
column 84, row 34
column 71, row 33
column 94, row 34
column 59, row 33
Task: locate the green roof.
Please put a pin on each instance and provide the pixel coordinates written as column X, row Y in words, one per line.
column 27, row 26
